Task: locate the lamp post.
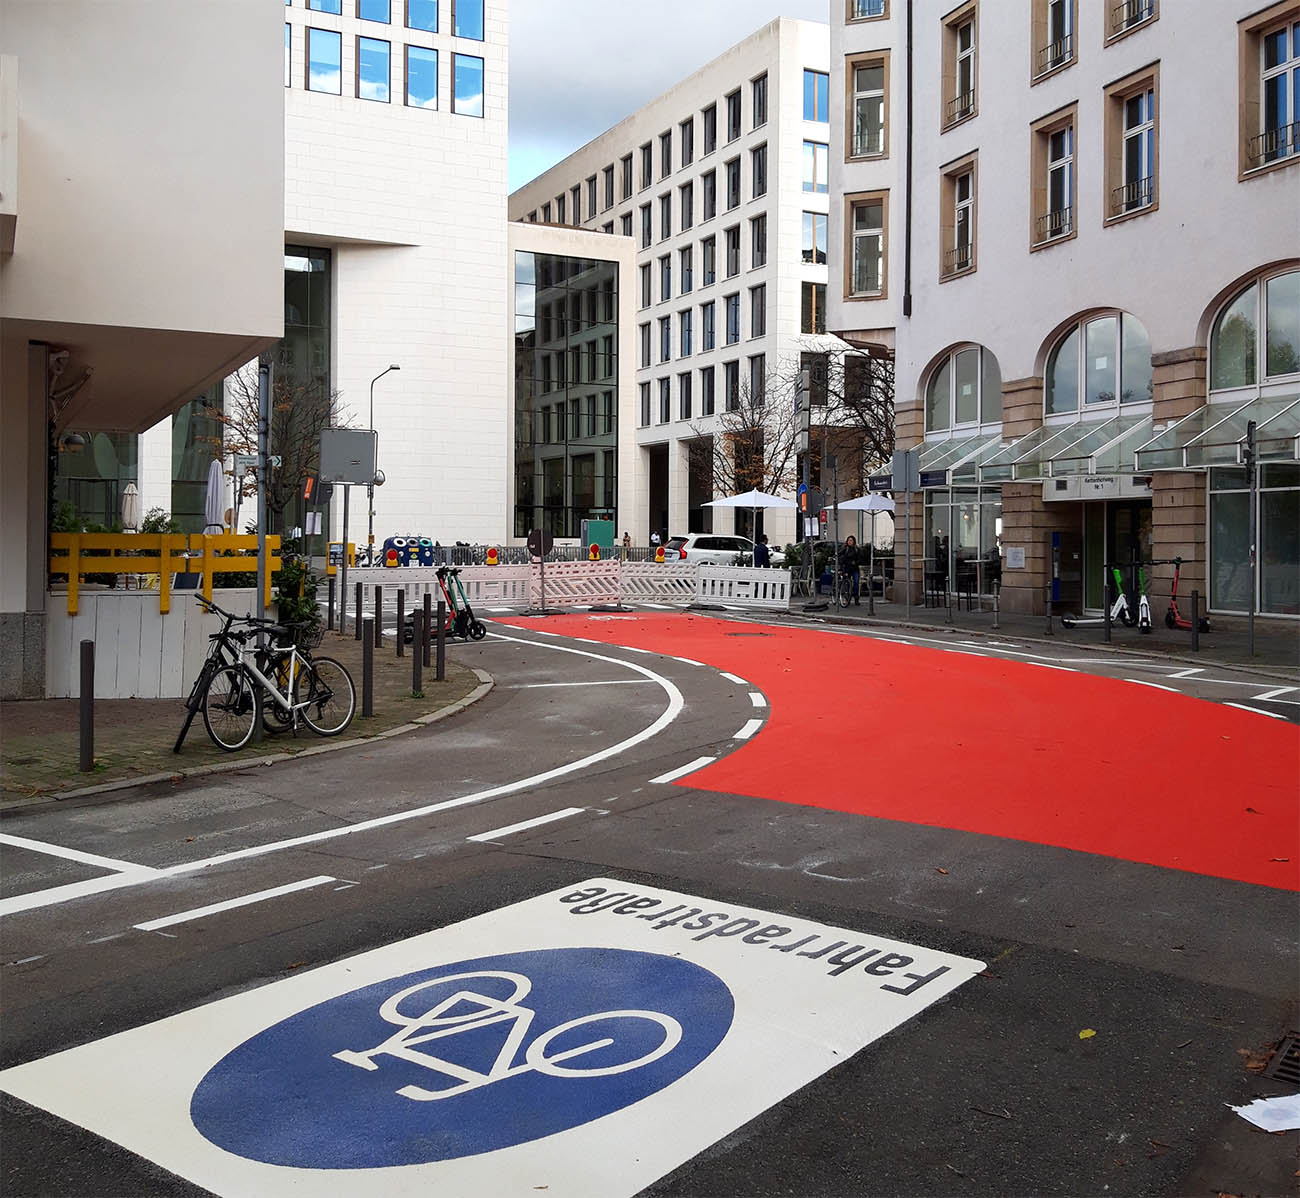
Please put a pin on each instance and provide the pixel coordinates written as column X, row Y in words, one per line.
column 370, row 490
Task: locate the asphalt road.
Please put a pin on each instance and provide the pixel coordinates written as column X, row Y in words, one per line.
column 565, row 774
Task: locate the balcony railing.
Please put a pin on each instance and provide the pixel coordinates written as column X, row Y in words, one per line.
column 1274, row 144
column 1056, row 54
column 1132, row 197
column 859, row 9
column 1129, row 13
column 957, row 260
column 1055, row 224
column 868, row 141
column 959, row 108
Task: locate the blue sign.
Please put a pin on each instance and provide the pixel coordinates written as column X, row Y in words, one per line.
column 463, row 1059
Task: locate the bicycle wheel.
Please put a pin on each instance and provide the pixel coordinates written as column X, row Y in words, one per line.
column 330, row 696
column 276, row 719
column 232, row 706
column 845, row 593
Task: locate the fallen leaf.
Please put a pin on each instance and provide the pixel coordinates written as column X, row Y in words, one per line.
column 1279, row 858
column 1252, row 811
column 296, row 965
column 940, row 871
column 189, row 840
column 1087, row 1033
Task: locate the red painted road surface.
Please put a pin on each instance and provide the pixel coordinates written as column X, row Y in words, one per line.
column 996, row 747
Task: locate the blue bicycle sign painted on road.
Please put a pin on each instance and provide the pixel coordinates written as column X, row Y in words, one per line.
column 463, row 1059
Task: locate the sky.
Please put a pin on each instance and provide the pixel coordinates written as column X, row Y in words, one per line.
column 579, row 66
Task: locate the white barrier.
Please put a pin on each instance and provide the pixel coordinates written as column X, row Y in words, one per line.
column 495, row 586
column 646, row 582
column 743, row 586
column 575, row 582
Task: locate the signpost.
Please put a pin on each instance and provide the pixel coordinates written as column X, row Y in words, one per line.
column 540, row 543
column 907, row 478
column 347, row 459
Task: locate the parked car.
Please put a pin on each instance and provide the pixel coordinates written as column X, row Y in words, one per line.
column 715, row 549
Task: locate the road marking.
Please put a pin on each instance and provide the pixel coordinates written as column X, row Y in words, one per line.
column 230, row 904
column 1173, row 690
column 658, row 606
column 1281, row 690
column 1272, row 715
column 757, row 699
column 541, row 686
column 1045, row 665
column 733, row 678
column 751, row 726
column 501, row 611
column 687, row 661
column 682, row 771
column 524, row 825
column 29, row 960
column 631, row 649
column 56, row 850
column 1188, row 673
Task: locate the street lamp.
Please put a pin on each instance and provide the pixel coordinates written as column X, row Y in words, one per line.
column 370, row 490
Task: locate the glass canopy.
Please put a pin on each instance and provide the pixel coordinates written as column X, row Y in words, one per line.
column 956, row 457
column 1215, row 435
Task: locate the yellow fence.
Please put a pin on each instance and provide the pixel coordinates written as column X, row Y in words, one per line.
column 157, row 555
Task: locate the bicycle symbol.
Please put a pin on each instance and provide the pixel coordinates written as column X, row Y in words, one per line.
column 454, row 1010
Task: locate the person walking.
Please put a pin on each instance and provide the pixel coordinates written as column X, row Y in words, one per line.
column 654, row 538
column 627, row 545
column 851, row 566
column 762, row 554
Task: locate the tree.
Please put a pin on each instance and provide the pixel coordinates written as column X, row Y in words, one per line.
column 753, row 446
column 300, row 410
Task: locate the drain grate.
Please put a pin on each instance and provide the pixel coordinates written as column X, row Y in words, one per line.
column 1285, row 1065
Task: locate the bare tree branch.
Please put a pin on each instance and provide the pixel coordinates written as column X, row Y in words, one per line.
column 753, row 446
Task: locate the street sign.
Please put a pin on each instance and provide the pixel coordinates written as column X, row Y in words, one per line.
column 907, row 470
column 540, row 542
column 348, row 455
column 880, row 482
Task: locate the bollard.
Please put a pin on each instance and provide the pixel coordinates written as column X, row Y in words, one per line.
column 367, row 668
column 1196, row 621
column 356, row 617
column 441, row 670
column 379, row 617
column 1106, row 604
column 1047, row 607
column 417, row 658
column 330, row 624
column 428, row 628
column 401, row 621
column 87, row 761
column 997, row 595
column 947, row 596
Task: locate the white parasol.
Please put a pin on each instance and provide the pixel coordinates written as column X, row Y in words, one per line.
column 130, row 507
column 214, row 502
column 754, row 500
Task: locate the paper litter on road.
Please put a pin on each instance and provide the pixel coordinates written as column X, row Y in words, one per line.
column 1272, row 1114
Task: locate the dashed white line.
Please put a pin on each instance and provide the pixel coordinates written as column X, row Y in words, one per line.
column 758, row 700
column 524, row 825
column 682, row 771
column 658, row 606
column 733, row 678
column 541, row 686
column 1281, row 690
column 230, row 904
column 1272, row 715
column 501, row 611
column 630, row 649
column 1189, row 673
column 751, row 726
column 1044, row 665
column 1173, row 690
column 58, row 850
column 687, row 661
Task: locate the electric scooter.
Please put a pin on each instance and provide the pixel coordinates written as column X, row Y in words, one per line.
column 466, row 625
column 1173, row 618
column 1120, row 612
column 1144, row 603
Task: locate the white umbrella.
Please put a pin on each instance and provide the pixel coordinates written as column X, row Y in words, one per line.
column 753, row 500
column 130, row 507
column 214, row 502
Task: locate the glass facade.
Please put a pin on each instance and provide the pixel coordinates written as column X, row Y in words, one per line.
column 1277, row 587
column 468, row 98
column 963, row 534
column 566, row 393
column 196, row 439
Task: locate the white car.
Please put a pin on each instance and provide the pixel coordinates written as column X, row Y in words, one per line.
column 715, row 549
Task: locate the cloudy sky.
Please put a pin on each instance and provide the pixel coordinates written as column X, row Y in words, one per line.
column 579, row 66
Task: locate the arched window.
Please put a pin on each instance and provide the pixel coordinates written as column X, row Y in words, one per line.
column 965, row 389
column 1104, row 360
column 1239, row 355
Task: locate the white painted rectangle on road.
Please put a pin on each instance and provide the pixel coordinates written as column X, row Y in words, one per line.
column 244, row 900
column 583, row 1044
column 672, row 775
column 524, row 825
column 748, row 729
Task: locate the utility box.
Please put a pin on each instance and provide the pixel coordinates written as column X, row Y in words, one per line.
column 598, row 532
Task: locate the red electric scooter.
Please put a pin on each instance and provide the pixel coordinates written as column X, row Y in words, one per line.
column 1173, row 619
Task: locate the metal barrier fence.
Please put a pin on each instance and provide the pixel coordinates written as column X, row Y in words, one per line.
column 740, row 586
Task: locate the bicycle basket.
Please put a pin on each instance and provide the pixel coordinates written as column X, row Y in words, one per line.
column 308, row 636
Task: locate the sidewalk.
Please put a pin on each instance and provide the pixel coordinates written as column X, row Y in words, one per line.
column 134, row 737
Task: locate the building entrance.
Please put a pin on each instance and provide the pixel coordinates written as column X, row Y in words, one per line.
column 1117, row 532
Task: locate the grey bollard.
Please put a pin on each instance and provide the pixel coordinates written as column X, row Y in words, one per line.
column 1047, row 607
column 401, row 621
column 1196, row 621
column 367, row 668
column 417, row 657
column 330, row 625
column 356, row 621
column 440, row 672
column 379, row 617
column 425, row 643
column 1106, row 603
column 87, row 759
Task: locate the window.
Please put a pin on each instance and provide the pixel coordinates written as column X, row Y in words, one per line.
column 576, row 192
column 665, row 400
column 813, row 314
column 331, row 6
column 960, row 77
column 546, row 208
column 710, row 117
column 1131, row 144
column 733, row 116
column 816, row 96
column 706, row 391
column 686, row 204
column 647, row 165
column 1053, row 35
column 1105, row 360
column 560, row 209
column 759, row 100
column 733, row 251
column 647, row 225
column 665, row 338
column 625, row 224
column 288, row 54
column 324, row 61
column 1277, row 564
column 422, row 14
column 647, row 298
column 607, row 180
column 867, row 10
column 1270, row 89
column 867, row 80
column 814, row 238
column 467, row 19
column 666, row 277
column 374, row 10
column 732, row 303
column 644, row 389
column 758, row 241
column 643, row 332
column 684, row 396
column 867, row 245
column 625, row 165
column 757, row 380
column 1128, row 15
column 467, row 72
column 709, row 248
column 965, row 389
column 684, row 333
column 591, row 197
column 758, row 171
column 733, row 184
column 686, row 139
column 708, row 327
column 665, row 154
column 709, row 181
column 731, row 385
column 758, row 311
column 816, row 166
column 1053, row 179
column 684, row 268
column 957, row 208
column 1239, row 356
column 665, row 217
column 608, row 227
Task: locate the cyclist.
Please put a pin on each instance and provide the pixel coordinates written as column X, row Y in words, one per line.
column 850, row 568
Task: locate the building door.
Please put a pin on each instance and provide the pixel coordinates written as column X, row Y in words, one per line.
column 1115, row 533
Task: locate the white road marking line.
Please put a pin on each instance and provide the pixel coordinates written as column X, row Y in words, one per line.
column 733, row 678
column 630, row 649
column 751, row 726
column 682, row 771
column 1281, row 690
column 230, row 904
column 1188, row 673
column 757, row 699
column 687, row 661
column 658, row 606
column 540, row 686
column 1173, row 690
column 1272, row 715
column 1045, row 665
column 106, row 939
column 29, row 960
column 543, row 632
column 524, row 825
column 56, row 850
column 59, row 894
column 500, row 611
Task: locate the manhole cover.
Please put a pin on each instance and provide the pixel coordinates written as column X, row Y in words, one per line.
column 1285, row 1065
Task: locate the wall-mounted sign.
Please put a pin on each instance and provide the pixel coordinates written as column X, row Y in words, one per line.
column 933, row 478
column 1014, row 557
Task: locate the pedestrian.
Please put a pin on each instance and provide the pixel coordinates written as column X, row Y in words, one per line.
column 627, row 545
column 850, row 566
column 762, row 554
column 654, row 539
